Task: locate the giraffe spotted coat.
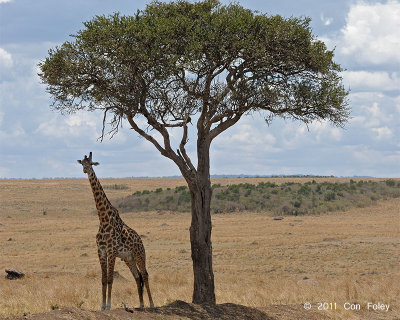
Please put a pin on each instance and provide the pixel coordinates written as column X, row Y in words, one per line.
column 115, row 239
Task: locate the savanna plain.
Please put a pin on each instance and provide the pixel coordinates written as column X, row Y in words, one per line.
column 351, row 257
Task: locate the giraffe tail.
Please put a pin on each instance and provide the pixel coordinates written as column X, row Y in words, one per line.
column 141, row 283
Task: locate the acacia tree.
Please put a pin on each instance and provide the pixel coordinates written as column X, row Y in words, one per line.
column 178, row 62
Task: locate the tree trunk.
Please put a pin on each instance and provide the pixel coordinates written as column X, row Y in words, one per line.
column 200, row 229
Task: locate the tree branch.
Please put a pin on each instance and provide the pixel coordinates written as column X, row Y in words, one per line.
column 166, row 151
column 182, row 150
column 225, row 125
column 146, row 136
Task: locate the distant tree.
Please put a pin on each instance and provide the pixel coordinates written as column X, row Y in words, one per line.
column 177, row 63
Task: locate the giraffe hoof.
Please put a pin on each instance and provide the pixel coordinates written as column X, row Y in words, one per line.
column 105, row 307
column 151, row 305
column 127, row 309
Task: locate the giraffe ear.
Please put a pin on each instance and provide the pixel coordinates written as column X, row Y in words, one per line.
column 95, row 163
column 79, row 161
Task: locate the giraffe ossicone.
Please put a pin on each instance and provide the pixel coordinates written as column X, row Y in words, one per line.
column 115, row 240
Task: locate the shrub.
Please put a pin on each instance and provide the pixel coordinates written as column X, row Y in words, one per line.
column 297, row 203
column 330, row 196
column 180, row 188
column 184, row 197
column 390, row 183
column 304, row 190
column 234, row 188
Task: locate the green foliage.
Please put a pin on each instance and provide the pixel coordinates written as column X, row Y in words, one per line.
column 297, row 203
column 259, row 61
column 287, row 198
column 184, row 197
column 180, row 189
column 390, row 183
column 304, row 190
column 330, row 196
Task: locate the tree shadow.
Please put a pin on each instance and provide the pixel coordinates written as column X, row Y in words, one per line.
column 226, row 311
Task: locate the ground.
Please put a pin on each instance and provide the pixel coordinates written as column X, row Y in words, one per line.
column 48, row 227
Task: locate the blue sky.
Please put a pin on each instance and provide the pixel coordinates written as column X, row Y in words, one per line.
column 37, row 142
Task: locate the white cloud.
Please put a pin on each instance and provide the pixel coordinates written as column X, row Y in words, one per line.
column 372, row 33
column 14, row 136
column 382, row 133
column 296, row 135
column 397, row 101
column 368, row 159
column 375, row 115
column 326, row 20
column 5, row 1
column 80, row 124
column 371, row 81
column 247, row 138
column 6, row 60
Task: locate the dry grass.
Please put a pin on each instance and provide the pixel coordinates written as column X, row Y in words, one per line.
column 350, row 256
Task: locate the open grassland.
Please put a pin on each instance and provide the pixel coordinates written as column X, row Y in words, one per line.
column 48, row 227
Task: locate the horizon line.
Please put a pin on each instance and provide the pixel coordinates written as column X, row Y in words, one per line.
column 212, row 176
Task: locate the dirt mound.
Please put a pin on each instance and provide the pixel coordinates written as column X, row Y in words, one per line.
column 226, row 311
column 180, row 310
column 176, row 310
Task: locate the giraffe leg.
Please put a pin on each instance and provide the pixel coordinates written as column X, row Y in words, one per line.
column 141, row 264
column 103, row 264
column 130, row 262
column 110, row 279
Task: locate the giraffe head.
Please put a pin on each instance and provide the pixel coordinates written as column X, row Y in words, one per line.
column 87, row 163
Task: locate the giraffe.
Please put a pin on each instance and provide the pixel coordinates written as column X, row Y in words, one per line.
column 115, row 239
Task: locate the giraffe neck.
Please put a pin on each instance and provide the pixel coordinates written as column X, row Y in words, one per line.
column 103, row 205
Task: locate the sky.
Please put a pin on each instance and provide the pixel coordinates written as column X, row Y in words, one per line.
column 37, row 142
